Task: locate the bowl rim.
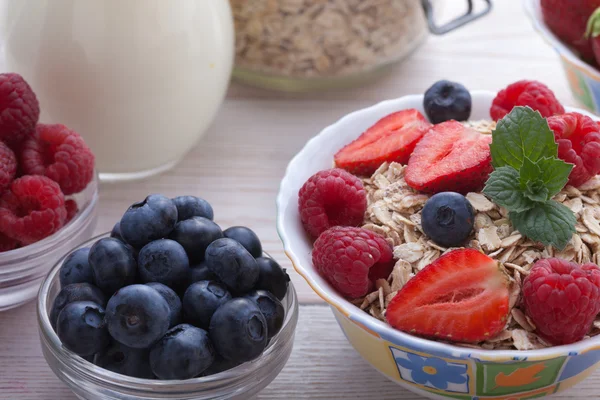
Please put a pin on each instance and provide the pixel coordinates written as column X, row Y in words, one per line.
column 365, row 320
column 101, row 376
column 69, row 230
column 532, row 10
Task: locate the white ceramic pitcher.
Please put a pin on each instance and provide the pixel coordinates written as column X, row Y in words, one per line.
column 140, row 80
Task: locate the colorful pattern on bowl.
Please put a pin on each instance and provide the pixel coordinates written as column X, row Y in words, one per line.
column 432, row 369
column 462, row 375
column 583, row 79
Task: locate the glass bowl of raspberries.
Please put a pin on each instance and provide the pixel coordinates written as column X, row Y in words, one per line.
column 167, row 305
column 456, row 236
column 48, row 192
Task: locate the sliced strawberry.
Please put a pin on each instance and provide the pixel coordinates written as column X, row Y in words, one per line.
column 450, row 158
column 392, row 138
column 462, row 296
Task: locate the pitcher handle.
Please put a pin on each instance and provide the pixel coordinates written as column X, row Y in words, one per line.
column 455, row 23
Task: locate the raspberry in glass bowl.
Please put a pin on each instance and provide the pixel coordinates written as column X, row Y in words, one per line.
column 23, row 269
column 48, row 192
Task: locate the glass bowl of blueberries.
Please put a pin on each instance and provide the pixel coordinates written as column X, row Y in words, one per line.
column 167, row 306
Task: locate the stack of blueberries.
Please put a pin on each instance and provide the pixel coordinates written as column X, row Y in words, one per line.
column 170, row 295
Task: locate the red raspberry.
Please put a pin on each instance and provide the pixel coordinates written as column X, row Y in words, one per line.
column 8, row 167
column 7, row 244
column 351, row 259
column 19, row 108
column 525, row 93
column 72, row 209
column 330, row 198
column 578, row 138
column 562, row 299
column 61, row 155
column 32, row 209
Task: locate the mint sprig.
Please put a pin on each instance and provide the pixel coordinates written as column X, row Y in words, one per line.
column 527, row 174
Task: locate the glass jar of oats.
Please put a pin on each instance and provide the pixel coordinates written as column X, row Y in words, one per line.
column 303, row 45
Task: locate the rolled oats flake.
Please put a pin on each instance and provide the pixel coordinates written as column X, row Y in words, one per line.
column 488, row 238
column 410, row 252
column 480, row 202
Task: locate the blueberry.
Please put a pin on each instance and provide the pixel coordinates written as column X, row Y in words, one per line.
column 113, row 263
column 72, row 293
column 271, row 308
column 246, row 237
column 200, row 272
column 195, row 234
column 447, row 218
column 125, row 361
column 116, row 232
column 201, row 300
column 89, row 358
column 447, row 100
column 191, row 206
column 164, row 261
column 172, row 299
column 152, row 219
column 272, row 277
column 183, row 353
column 137, row 316
column 76, row 268
column 219, row 365
column 82, row 329
column 238, row 330
column 232, row 264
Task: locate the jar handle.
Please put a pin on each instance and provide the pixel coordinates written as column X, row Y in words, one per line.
column 455, row 23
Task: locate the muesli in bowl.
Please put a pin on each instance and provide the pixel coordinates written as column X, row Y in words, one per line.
column 464, row 241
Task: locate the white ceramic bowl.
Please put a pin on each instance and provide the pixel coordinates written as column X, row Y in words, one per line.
column 561, row 367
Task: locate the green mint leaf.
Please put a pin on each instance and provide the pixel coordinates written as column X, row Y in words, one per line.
column 536, row 191
column 555, row 174
column 529, row 171
column 522, row 133
column 550, row 223
column 504, row 189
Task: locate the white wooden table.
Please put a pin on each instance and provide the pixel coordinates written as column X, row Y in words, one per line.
column 238, row 166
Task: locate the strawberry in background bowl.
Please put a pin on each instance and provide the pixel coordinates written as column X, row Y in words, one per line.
column 484, row 235
column 564, row 24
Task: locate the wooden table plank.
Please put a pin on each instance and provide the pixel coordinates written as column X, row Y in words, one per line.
column 323, row 365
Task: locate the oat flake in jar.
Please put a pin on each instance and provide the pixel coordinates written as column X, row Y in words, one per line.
column 303, row 45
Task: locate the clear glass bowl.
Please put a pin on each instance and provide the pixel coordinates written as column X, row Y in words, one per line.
column 90, row 382
column 22, row 270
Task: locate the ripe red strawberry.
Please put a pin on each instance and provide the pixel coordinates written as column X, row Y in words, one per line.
column 567, row 19
column 462, row 296
column 578, row 138
column 392, row 138
column 450, row 158
column 593, row 34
